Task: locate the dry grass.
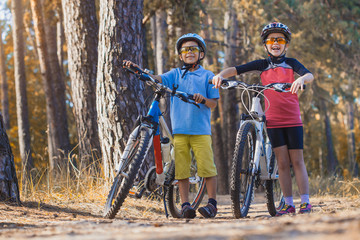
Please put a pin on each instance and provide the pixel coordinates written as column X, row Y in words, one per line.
column 85, row 193
column 83, row 190
column 335, row 186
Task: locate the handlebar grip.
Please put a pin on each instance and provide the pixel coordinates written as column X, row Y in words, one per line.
column 133, row 68
column 192, row 98
column 288, row 85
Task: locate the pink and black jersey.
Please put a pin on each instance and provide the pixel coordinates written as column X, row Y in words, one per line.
column 284, row 108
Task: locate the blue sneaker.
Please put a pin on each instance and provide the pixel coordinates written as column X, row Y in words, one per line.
column 188, row 212
column 209, row 211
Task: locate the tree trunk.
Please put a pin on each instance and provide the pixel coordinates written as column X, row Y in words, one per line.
column 332, row 161
column 349, row 103
column 57, row 80
column 81, row 30
column 354, row 167
column 4, row 87
column 229, row 103
column 20, row 89
column 161, row 49
column 53, row 136
column 9, row 187
column 60, row 37
column 119, row 94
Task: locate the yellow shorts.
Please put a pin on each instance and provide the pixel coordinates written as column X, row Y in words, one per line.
column 201, row 146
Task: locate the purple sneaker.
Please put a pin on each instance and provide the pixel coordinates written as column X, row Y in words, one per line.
column 286, row 210
column 305, row 208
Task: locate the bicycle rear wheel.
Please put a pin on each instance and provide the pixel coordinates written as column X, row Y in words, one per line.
column 242, row 180
column 275, row 200
column 123, row 181
column 196, row 191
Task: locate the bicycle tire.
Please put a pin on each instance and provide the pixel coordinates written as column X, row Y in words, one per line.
column 196, row 193
column 274, row 198
column 241, row 178
column 121, row 185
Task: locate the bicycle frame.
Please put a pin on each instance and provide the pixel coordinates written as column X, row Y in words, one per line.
column 154, row 122
column 262, row 152
column 263, row 149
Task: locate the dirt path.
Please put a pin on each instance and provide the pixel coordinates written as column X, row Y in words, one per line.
column 333, row 218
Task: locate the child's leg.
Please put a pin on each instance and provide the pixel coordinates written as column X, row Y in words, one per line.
column 297, row 159
column 283, row 161
column 182, row 164
column 184, row 190
column 211, row 187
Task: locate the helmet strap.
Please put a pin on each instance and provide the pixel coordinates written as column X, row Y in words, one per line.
column 273, row 58
column 187, row 66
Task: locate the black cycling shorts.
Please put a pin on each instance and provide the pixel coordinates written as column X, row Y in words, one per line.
column 290, row 136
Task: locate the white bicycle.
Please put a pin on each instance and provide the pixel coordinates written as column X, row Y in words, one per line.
column 253, row 162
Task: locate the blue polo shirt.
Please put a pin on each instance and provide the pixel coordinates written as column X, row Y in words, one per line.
column 187, row 118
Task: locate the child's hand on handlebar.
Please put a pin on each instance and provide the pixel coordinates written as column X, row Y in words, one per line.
column 130, row 64
column 217, row 81
column 298, row 84
column 198, row 98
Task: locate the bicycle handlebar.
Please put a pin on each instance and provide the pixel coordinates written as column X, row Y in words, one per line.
column 186, row 97
column 279, row 87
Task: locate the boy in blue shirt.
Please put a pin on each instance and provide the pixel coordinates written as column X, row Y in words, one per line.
column 191, row 125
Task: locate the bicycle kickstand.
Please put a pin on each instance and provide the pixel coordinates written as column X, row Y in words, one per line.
column 166, row 212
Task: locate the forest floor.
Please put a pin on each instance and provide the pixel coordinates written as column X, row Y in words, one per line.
column 332, row 218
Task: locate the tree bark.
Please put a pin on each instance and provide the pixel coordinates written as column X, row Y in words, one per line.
column 53, row 137
column 119, row 94
column 9, row 187
column 60, row 36
column 229, row 102
column 353, row 166
column 20, row 89
column 81, row 30
column 4, row 87
column 50, row 24
column 331, row 158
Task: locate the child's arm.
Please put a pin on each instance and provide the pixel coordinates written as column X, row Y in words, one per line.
column 226, row 73
column 299, row 83
column 129, row 63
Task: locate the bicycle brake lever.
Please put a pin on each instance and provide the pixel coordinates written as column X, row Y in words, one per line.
column 228, row 84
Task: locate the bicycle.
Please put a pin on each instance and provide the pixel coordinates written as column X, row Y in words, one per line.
column 152, row 129
column 253, row 162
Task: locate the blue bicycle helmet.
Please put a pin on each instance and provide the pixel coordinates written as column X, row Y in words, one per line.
column 276, row 27
column 191, row 37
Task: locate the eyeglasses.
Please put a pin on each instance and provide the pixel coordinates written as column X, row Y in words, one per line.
column 193, row 49
column 279, row 40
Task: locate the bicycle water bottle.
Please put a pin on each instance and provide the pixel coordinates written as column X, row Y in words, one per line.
column 165, row 154
column 256, row 106
column 165, row 150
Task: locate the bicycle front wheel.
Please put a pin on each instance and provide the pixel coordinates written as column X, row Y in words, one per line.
column 242, row 180
column 196, row 191
column 275, row 200
column 124, row 180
